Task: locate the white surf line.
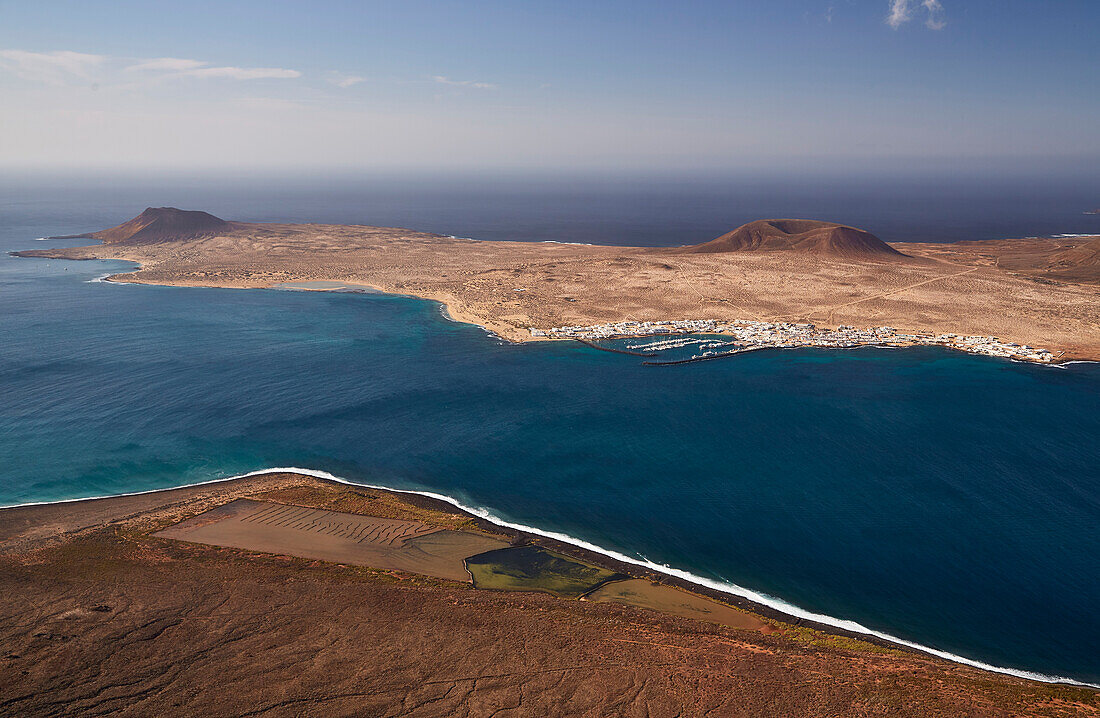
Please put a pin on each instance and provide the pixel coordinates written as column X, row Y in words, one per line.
column 1071, row 235
column 725, row 587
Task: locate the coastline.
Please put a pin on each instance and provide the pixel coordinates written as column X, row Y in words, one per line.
column 747, row 599
column 453, row 311
column 125, row 604
column 449, row 306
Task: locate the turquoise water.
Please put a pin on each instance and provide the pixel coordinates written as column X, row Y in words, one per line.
column 945, row 499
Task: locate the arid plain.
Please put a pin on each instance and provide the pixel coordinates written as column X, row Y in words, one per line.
column 1041, row 292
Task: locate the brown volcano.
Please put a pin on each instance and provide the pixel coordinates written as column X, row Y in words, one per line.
column 157, row 224
column 800, row 235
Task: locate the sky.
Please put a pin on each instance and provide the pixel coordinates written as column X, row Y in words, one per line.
column 611, row 84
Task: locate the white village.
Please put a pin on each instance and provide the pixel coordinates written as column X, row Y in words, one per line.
column 746, row 335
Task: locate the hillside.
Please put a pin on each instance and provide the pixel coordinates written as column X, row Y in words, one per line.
column 800, row 235
column 158, row 224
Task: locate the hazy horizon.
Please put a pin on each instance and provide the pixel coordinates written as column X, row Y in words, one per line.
column 651, row 209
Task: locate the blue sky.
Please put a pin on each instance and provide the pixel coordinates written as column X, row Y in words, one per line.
column 621, row 85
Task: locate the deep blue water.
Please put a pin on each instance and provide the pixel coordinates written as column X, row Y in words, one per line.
column 946, row 499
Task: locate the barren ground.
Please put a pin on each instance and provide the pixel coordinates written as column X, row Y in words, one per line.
column 98, row 615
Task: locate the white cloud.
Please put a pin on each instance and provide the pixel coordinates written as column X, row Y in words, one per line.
column 901, row 12
column 63, row 67
column 935, row 19
column 242, row 73
column 166, row 64
column 341, row 80
column 463, row 83
column 55, row 68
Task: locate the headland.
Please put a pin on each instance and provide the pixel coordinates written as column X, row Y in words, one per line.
column 299, row 595
column 1033, row 299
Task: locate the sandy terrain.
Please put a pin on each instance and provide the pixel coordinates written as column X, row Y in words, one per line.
column 1018, row 290
column 411, row 546
column 99, row 615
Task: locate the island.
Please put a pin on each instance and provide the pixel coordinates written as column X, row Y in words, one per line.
column 766, row 284
column 350, row 600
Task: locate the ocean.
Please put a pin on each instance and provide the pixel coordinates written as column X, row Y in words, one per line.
column 944, row 499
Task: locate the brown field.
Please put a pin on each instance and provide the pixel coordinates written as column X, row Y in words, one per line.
column 99, row 614
column 1045, row 293
column 410, row 546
